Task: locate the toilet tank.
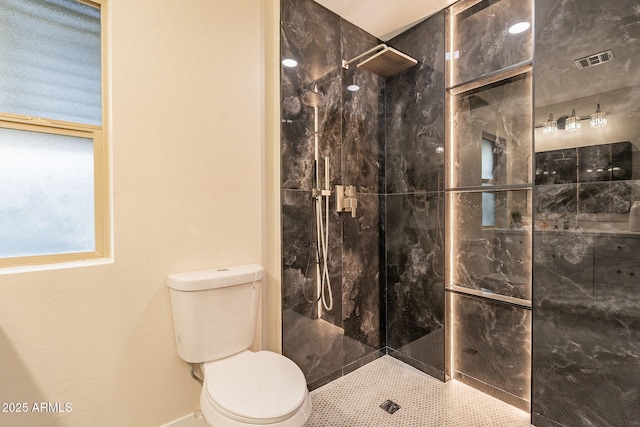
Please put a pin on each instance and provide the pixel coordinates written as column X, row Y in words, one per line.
column 215, row 312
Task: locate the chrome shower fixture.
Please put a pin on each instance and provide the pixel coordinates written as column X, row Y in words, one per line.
column 384, row 61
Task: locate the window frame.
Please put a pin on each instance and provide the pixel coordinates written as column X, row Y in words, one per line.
column 101, row 160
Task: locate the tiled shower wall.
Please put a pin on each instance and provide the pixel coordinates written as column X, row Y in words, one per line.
column 414, row 145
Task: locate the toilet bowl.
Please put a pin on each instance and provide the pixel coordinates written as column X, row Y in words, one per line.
column 250, row 389
column 215, row 315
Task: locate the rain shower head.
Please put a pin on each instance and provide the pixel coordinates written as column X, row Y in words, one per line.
column 387, row 62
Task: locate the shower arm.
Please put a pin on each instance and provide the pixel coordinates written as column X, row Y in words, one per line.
column 345, row 64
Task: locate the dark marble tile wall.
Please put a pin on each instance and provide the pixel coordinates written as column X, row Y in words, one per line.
column 415, row 121
column 299, row 289
column 348, row 134
column 362, row 117
column 414, row 263
column 492, row 344
column 362, row 157
column 586, row 314
column 586, row 329
column 311, row 35
column 363, row 318
column 414, row 225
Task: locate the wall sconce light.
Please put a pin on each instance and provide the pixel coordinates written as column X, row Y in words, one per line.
column 599, row 118
column 550, row 126
column 572, row 123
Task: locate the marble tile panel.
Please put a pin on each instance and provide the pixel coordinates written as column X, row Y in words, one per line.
column 361, row 266
column 299, row 282
column 362, row 116
column 310, row 34
column 298, row 253
column 415, row 268
column 574, row 281
column 298, row 134
column 614, row 301
column 318, row 347
column 545, row 280
column 623, row 194
column 560, row 200
column 415, row 122
column 572, row 243
column 563, row 271
column 585, row 369
column 594, row 198
column 492, row 345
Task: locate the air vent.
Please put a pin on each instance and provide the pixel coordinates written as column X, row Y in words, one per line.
column 597, row 59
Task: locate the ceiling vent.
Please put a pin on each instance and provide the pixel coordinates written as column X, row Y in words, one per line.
column 597, row 59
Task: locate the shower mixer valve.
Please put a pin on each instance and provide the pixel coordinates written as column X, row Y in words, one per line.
column 346, row 200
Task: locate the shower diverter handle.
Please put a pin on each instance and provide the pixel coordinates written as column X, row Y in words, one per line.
column 346, row 200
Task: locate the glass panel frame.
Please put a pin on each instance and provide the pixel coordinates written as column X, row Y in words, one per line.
column 494, row 260
column 502, row 114
column 480, row 42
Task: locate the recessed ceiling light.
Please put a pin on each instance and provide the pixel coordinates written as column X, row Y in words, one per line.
column 290, row 63
column 518, row 28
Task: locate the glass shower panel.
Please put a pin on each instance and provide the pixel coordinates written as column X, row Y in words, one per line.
column 493, row 342
column 487, row 36
column 494, row 260
column 491, row 130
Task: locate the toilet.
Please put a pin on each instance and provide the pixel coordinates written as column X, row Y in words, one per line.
column 215, row 315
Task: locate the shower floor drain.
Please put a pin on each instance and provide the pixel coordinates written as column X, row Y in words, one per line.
column 390, row 406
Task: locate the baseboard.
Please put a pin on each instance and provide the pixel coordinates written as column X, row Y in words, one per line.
column 187, row 421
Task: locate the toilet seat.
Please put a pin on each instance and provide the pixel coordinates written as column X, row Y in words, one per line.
column 255, row 388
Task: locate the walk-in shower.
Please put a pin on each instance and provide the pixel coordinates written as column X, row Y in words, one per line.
column 332, row 164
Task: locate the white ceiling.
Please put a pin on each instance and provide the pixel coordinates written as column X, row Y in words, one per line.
column 385, row 18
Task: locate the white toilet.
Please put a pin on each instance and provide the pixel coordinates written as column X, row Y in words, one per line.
column 215, row 314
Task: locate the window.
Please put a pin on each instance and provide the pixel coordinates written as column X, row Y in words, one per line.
column 53, row 182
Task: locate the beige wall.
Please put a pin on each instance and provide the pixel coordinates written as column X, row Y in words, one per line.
column 188, row 145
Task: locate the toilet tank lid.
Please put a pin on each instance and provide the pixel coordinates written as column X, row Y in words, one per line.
column 215, row 278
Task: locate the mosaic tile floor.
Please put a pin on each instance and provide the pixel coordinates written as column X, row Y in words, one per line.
column 354, row 400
